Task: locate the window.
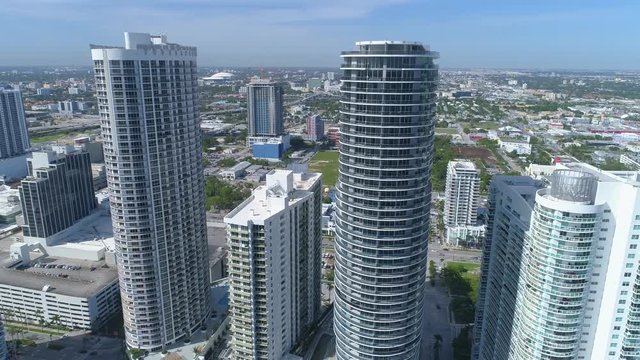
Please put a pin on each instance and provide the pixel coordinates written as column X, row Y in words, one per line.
column 618, row 319
column 637, row 217
column 626, row 283
column 622, row 302
column 636, row 227
column 627, row 274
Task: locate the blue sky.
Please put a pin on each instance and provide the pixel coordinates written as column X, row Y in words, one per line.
column 544, row 34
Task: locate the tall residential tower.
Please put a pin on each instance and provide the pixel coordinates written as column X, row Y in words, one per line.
column 148, row 102
column 384, row 196
column 462, row 193
column 264, row 108
column 461, row 199
column 275, row 240
column 578, row 291
column 14, row 139
column 510, row 203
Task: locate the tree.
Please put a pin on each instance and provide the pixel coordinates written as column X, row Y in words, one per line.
column 227, row 162
column 437, row 346
column 462, row 344
column 56, row 319
column 466, row 130
column 40, row 316
column 298, row 143
column 330, row 276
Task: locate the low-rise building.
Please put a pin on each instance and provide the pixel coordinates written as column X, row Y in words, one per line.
column 519, row 144
column 9, row 206
column 333, row 135
column 466, row 235
column 631, row 160
column 235, row 172
column 74, row 293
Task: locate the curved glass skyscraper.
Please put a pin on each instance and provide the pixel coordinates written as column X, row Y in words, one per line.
column 556, row 273
column 384, row 191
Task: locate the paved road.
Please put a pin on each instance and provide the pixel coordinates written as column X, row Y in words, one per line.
column 436, row 321
column 325, row 333
column 437, row 252
column 512, row 163
column 84, row 347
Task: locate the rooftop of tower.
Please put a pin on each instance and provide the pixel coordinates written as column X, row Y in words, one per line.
column 392, row 47
column 134, row 41
column 462, row 164
column 268, row 200
column 387, row 42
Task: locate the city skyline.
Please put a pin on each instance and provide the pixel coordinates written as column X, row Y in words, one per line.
column 288, row 33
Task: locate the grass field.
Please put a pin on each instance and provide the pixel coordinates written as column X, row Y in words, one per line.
column 463, row 280
column 326, row 162
column 59, row 135
column 448, row 131
column 469, row 272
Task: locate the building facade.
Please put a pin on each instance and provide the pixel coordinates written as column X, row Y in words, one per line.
column 148, row 102
column 264, row 108
column 384, row 197
column 58, row 191
column 78, row 308
column 510, row 202
column 274, row 265
column 577, row 294
column 14, row 138
column 315, row 127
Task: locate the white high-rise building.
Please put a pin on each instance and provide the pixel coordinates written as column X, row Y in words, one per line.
column 462, row 193
column 384, row 198
column 274, row 265
column 578, row 290
column 14, row 138
column 148, row 101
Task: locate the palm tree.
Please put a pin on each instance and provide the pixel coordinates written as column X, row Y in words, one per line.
column 55, row 319
column 40, row 316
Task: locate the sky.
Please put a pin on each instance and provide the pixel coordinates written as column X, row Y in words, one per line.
column 514, row 34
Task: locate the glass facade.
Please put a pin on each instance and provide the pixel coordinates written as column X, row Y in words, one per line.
column 557, row 267
column 264, row 104
column 384, row 191
column 14, row 139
